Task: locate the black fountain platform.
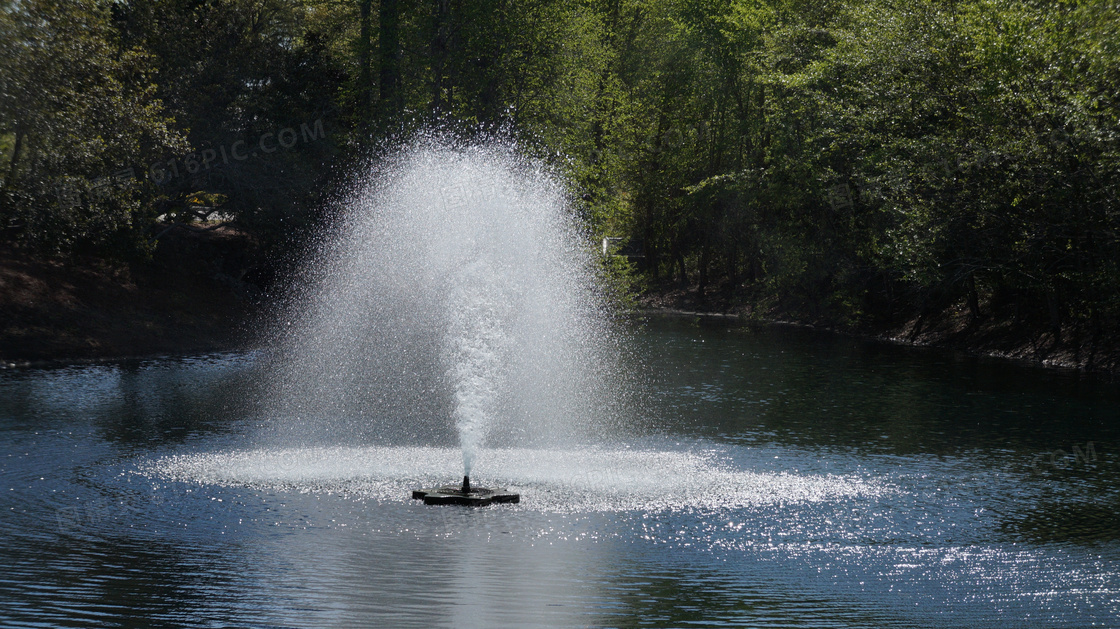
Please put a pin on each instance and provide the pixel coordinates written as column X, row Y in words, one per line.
column 464, row 495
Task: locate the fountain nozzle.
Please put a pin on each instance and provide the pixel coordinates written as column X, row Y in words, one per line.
column 464, row 495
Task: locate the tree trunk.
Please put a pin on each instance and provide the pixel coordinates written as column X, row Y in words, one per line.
column 704, row 260
column 365, row 74
column 389, row 44
column 973, row 299
column 9, row 181
column 679, row 257
column 1053, row 305
column 439, row 51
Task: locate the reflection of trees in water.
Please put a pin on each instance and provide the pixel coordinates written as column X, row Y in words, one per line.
column 1076, row 500
column 795, row 386
column 1081, row 520
column 163, row 400
column 174, row 399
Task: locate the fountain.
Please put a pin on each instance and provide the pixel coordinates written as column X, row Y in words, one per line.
column 464, row 495
column 457, row 289
column 449, row 326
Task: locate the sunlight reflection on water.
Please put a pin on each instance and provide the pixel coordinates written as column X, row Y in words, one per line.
column 549, row 480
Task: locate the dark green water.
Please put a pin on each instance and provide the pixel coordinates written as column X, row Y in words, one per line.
column 782, row 478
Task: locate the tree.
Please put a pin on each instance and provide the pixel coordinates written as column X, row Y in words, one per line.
column 237, row 73
column 85, row 119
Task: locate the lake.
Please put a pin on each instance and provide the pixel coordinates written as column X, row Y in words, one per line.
column 773, row 476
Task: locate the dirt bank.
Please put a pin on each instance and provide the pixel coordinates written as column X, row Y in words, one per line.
column 201, row 289
column 195, row 294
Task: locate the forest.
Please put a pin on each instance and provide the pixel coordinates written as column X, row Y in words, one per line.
column 845, row 161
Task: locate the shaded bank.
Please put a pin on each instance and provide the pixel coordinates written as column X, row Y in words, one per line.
column 999, row 332
column 202, row 289
column 197, row 293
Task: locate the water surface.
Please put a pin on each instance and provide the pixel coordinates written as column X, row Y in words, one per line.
column 776, row 477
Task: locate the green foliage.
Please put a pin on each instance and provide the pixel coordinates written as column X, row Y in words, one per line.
column 825, row 157
column 622, row 283
column 78, row 108
column 862, row 148
column 237, row 71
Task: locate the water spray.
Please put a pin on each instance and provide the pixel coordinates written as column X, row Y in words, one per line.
column 458, row 285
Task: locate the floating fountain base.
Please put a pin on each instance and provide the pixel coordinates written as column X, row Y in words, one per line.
column 464, row 495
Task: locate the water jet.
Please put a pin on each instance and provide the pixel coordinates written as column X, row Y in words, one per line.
column 458, row 294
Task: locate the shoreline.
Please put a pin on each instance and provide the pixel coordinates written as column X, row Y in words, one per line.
column 62, row 361
column 202, row 292
column 1027, row 352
